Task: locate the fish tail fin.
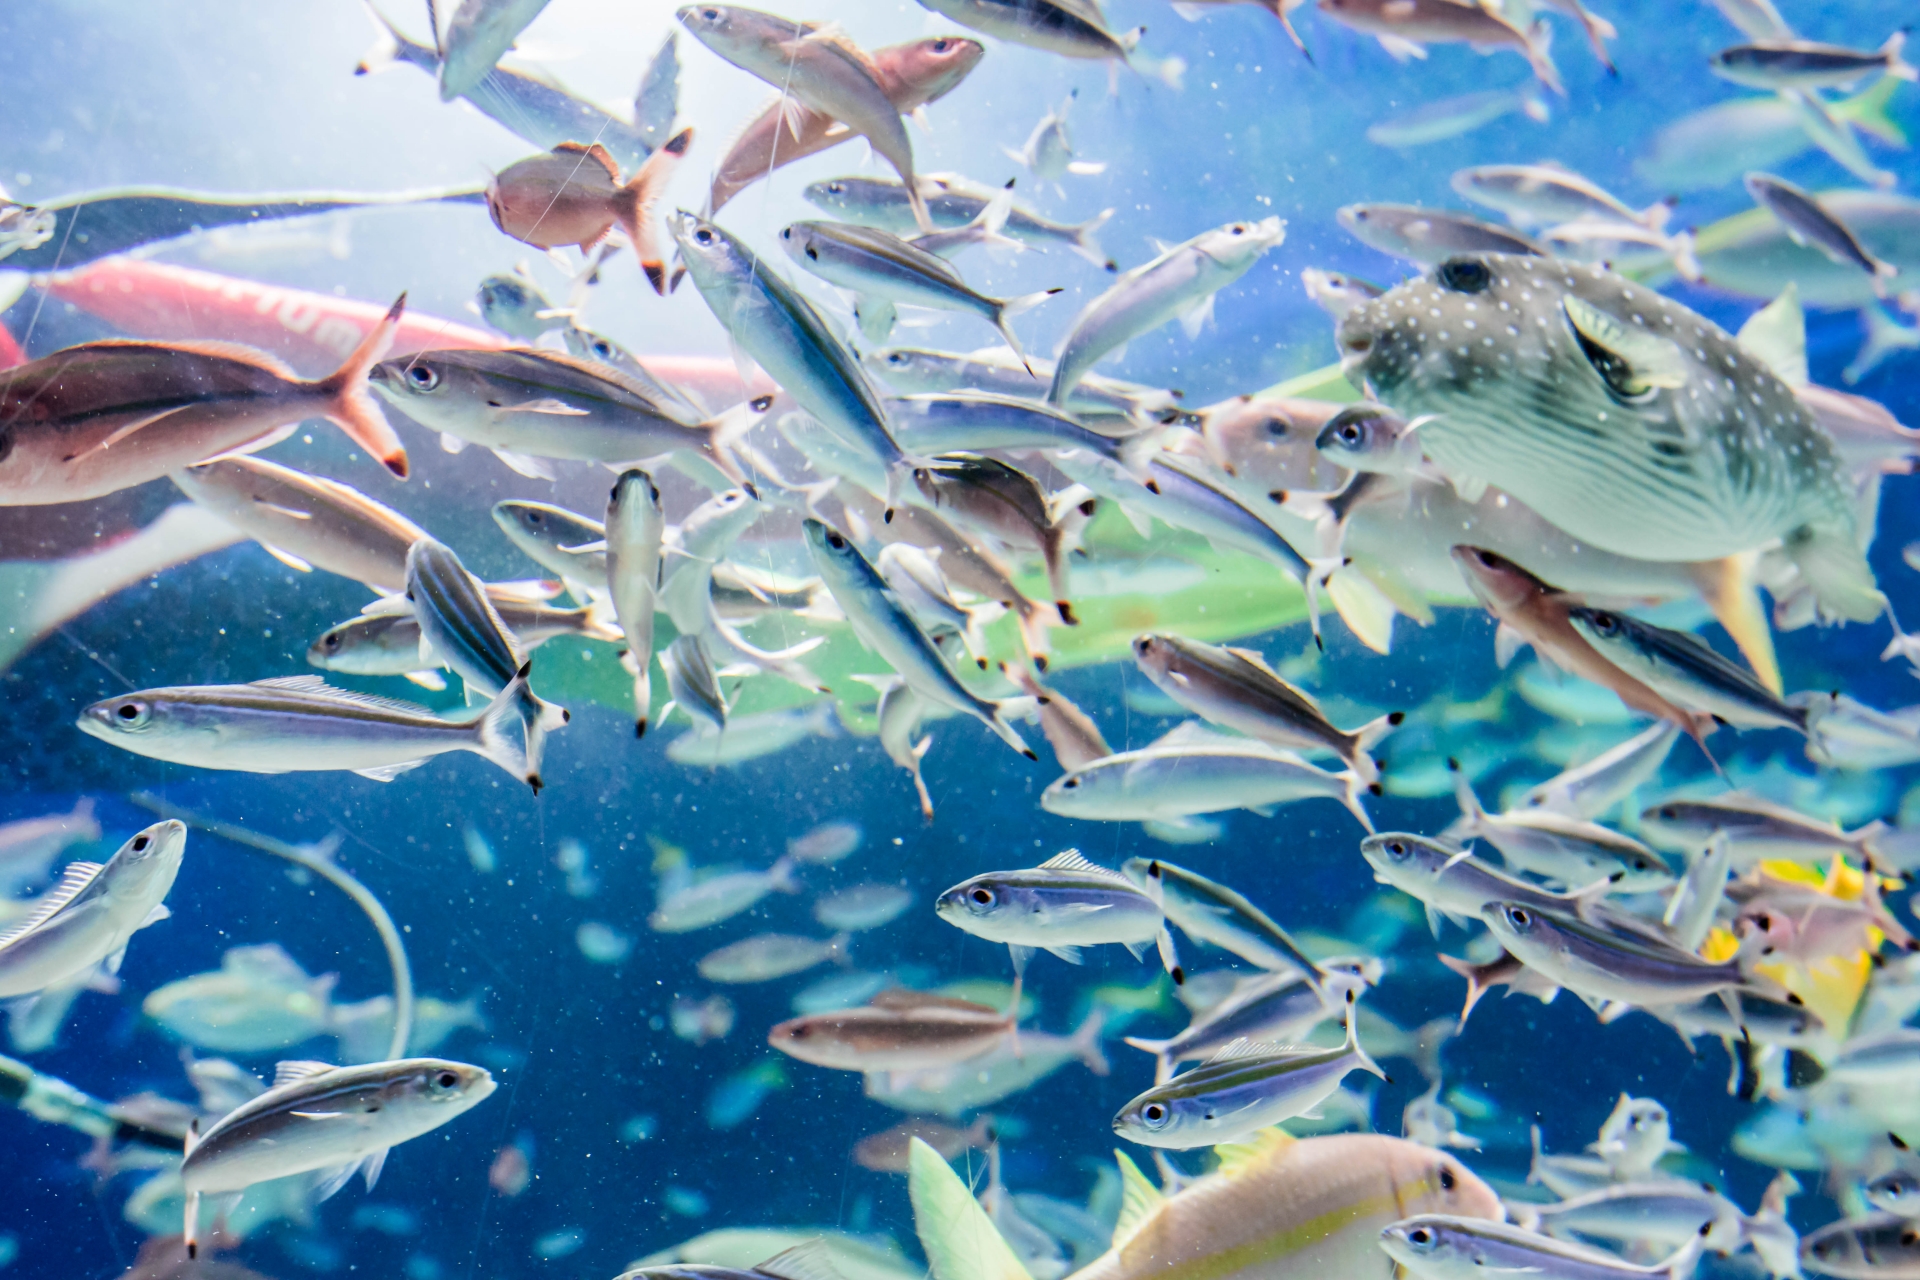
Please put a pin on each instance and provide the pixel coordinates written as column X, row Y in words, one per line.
column 1086, row 241
column 999, row 722
column 636, row 199
column 494, row 736
column 191, row 1231
column 1867, row 111
column 1367, row 610
column 1870, row 897
column 1599, row 31
column 642, row 692
column 1728, row 588
column 354, row 409
column 1033, row 625
column 1538, row 46
column 1136, row 454
column 1013, row 307
column 1681, row 1265
column 1366, row 737
column 1475, row 986
column 1836, row 570
column 1464, row 796
column 956, row 1235
column 1685, row 260
column 1898, row 66
column 1353, row 1042
column 1539, row 1154
column 1280, row 9
column 1885, row 335
column 1354, row 788
column 1086, row 1042
column 390, row 48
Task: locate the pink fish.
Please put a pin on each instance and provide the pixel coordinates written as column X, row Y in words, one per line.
column 574, row 195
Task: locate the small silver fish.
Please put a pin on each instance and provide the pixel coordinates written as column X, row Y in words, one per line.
column 634, row 531
column 717, row 897
column 476, row 36
column 88, row 918
column 953, row 202
column 1616, row 969
column 693, row 683
column 1685, row 670
column 1756, row 829
column 317, row 1116
column 1807, row 64
column 1048, row 153
column 1589, row 790
column 1554, row 846
column 1215, row 915
column 1060, row 906
column 656, row 103
column 1278, row 1008
column 558, row 540
column 1434, row 1246
column 1451, row 117
column 1810, row 223
column 1007, row 504
column 388, row 644
column 997, row 371
column 512, row 302
column 1429, row 235
column 767, row 956
column 895, row 1032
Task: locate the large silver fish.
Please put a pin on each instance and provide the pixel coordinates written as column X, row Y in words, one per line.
column 635, row 527
column 1628, row 420
column 87, row 919
column 317, row 1116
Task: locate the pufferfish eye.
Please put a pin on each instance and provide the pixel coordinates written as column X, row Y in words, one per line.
column 1464, row 275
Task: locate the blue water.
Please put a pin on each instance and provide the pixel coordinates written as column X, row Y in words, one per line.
column 230, row 96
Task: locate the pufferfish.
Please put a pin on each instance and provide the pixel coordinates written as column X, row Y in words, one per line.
column 1624, row 418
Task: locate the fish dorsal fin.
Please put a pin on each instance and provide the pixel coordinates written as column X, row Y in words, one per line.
column 1651, row 360
column 1074, row 860
column 1245, row 1048
column 1261, row 665
column 1776, row 336
column 73, row 882
column 1140, row 1200
column 1236, row 1157
column 297, row 1069
column 1193, row 733
column 268, row 960
column 315, row 685
column 807, row 1260
column 594, row 152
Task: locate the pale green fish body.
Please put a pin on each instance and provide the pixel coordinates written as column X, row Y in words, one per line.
column 860, row 907
column 558, row 540
column 763, row 733
column 767, row 956
column 1630, row 421
column 1720, row 145
column 306, row 519
column 1182, row 281
column 317, row 1116
column 656, row 104
column 257, row 1001
column 1451, row 117
column 300, row 723
column 88, row 918
column 720, row 897
column 885, row 627
column 784, row 334
column 703, row 539
column 634, row 530
column 1306, row 1209
column 543, row 404
column 478, row 34
column 983, row 1080
column 28, row 846
column 1161, row 783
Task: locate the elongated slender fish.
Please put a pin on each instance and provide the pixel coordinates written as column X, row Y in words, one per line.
column 1756, row 829
column 1048, row 153
column 1212, row 913
column 1237, row 689
column 1685, row 670
column 1184, row 778
column 1429, row 235
column 1243, row 1088
column 462, row 626
column 300, row 723
column 896, row 1031
column 1589, row 790
column 105, row 416
column 693, row 683
column 1182, row 282
column 306, row 520
column 316, row 1116
column 997, row 371
column 1403, row 26
column 1277, row 1008
column 388, row 644
column 574, row 195
column 1060, row 906
column 1555, row 846
column 1450, row 880
column 1450, row 117
column 885, row 627
column 719, row 897
column 1068, row 28
column 953, row 202
column 1442, row 1247
column 703, row 539
column 558, row 540
column 1007, row 504
column 788, row 338
column 635, row 527
column 1687, row 410
column 526, row 403
column 970, row 421
column 1668, row 1214
column 87, row 919
column 818, row 66
column 1599, row 964
column 912, row 74
column 1808, row 64
column 1808, row 222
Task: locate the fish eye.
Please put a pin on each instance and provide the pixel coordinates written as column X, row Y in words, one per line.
column 1669, row 812
column 711, row 15
column 941, row 46
column 1068, row 784
column 703, row 236
column 1519, row 917
column 423, row 377
column 836, row 188
column 1276, row 427
column 980, row 896
column 602, row 348
column 1351, row 433
column 1909, row 1238
column 896, row 357
column 1464, row 275
column 1420, row 1236
column 760, row 404
column 131, row 713
column 1153, row 1115
column 1397, row 848
column 446, row 1079
column 786, row 233
column 835, row 541
column 1239, row 228
column 1605, row 623
column 140, row 844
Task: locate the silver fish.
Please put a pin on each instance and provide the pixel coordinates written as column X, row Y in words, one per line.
column 668, row 398
column 885, row 628
column 1591, row 789
column 1650, row 479
column 953, row 202
column 1808, row 64
column 915, row 577
column 899, row 714
column 1048, row 153
column 1881, row 1246
column 460, row 624
column 1429, row 235
column 997, row 371
column 717, row 897
column 1451, row 117
column 1897, row 1193
column 1685, row 670
column 476, row 36
column 879, row 264
column 656, row 103
column 511, row 302
column 767, row 956
column 1601, row 965
column 1449, row 880
column 388, row 644
column 1237, row 689
column 703, row 539
column 1668, row 1214
column 305, row 520
column 1434, row 1246
column 1182, row 282
column 895, row 1032
column 1213, row 914
column 543, row 404
column 1244, row 1087
column 1808, row 222
column 788, row 338
column 693, row 683
column 1555, row 846
column 1278, row 1008
column 1069, row 28
column 24, row 227
column 317, row 1116
column 1543, row 194
column 1008, row 505
column 1756, row 829
column 87, row 919
column 750, row 737
column 300, row 723
column 634, row 530
column 559, row 541
column 1060, row 906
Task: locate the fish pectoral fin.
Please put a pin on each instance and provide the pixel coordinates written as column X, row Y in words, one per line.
column 331, row 1180
column 1070, row 954
column 155, row 916
column 112, row 963
column 427, row 679
column 287, row 558
column 1629, row 360
column 388, row 772
column 451, row 443
column 1264, row 810
column 1138, row 949
column 1197, row 317
column 548, row 404
column 1433, row 920
column 530, row 467
column 370, row 1167
column 1614, row 1010
column 1470, row 489
column 123, row 432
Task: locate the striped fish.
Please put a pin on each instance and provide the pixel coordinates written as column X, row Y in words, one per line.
column 1628, row 420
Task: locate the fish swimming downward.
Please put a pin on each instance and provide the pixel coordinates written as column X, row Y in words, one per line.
column 1628, row 420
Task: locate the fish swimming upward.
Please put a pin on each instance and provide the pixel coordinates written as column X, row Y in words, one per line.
column 1628, row 420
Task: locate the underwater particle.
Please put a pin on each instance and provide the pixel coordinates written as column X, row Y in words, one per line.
column 571, row 859
column 685, row 1201
column 698, row 1021
column 387, row 1219
column 511, row 1170
column 827, row 843
column 602, row 943
column 479, row 852
column 424, row 1266
column 558, row 1244
column 639, row 1128
column 735, row 1099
